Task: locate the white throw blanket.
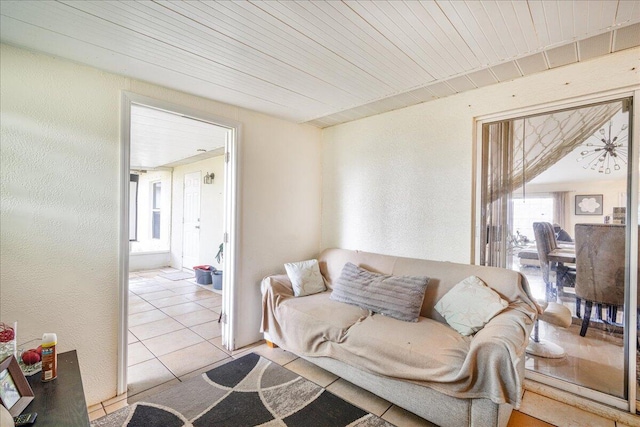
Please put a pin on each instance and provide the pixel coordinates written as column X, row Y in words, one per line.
column 488, row 365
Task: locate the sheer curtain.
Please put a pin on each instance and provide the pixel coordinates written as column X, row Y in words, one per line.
column 496, row 199
column 516, row 151
column 540, row 141
column 560, row 208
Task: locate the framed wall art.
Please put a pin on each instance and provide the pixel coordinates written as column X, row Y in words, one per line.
column 589, row 204
column 15, row 391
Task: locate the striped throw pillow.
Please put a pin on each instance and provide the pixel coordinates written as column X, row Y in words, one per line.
column 399, row 297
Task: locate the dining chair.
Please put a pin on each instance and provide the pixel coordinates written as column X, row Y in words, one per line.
column 600, row 268
column 565, row 276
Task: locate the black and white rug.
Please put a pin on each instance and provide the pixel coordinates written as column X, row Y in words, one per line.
column 250, row 391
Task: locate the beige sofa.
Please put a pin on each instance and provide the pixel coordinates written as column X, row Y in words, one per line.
column 425, row 367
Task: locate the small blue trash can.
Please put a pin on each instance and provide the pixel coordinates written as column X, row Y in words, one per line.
column 203, row 276
column 217, row 279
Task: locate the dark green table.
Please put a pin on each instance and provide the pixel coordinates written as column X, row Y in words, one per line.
column 60, row 402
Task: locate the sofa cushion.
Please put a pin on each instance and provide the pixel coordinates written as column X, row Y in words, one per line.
column 469, row 305
column 305, row 277
column 420, row 350
column 399, row 297
column 315, row 320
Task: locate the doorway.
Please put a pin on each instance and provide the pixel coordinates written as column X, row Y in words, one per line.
column 174, row 214
column 554, row 189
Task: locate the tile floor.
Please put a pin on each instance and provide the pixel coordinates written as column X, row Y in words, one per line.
column 174, row 336
column 173, row 329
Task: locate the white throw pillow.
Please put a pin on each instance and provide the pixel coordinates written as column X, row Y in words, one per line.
column 469, row 305
column 305, row 277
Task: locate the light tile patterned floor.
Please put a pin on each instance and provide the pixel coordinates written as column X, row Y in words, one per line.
column 174, row 342
column 171, row 323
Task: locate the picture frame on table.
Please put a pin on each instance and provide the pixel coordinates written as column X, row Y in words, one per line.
column 15, row 391
column 589, row 204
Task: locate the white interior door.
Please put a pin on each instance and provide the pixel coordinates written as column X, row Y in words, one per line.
column 191, row 220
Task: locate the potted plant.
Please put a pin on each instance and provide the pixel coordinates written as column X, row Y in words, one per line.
column 220, row 254
column 217, row 274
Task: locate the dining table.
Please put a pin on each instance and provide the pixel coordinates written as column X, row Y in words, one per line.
column 562, row 255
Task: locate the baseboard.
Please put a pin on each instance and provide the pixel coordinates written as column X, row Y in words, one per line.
column 580, row 402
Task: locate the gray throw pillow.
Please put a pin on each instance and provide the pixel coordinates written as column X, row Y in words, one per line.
column 399, row 297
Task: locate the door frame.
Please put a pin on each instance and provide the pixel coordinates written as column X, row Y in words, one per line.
column 633, row 187
column 231, row 219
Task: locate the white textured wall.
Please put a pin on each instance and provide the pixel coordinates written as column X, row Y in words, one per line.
column 401, row 182
column 59, row 130
column 59, row 214
column 281, row 205
column 211, row 211
column 149, row 260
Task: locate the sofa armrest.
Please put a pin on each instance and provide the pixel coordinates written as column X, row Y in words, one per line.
column 499, row 349
column 274, row 289
column 277, row 284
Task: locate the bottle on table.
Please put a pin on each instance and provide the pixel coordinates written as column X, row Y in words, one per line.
column 49, row 357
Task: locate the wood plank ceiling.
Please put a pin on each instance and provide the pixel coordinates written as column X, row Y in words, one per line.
column 323, row 62
column 183, row 139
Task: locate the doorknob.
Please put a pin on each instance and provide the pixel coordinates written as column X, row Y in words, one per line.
column 197, row 226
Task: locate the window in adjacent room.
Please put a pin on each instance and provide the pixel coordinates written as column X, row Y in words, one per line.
column 156, row 191
column 528, row 210
column 133, row 207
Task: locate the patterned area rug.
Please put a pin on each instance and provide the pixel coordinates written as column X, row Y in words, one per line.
column 250, row 391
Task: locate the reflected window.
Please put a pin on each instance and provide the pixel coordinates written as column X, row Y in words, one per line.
column 530, row 210
column 155, row 209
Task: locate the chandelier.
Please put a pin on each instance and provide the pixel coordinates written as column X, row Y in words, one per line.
column 609, row 150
